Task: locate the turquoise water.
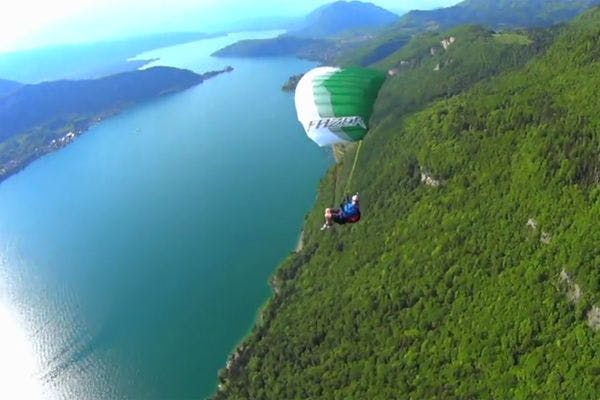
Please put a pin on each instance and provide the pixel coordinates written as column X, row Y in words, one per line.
column 133, row 260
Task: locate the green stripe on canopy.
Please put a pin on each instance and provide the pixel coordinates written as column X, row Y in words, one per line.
column 334, row 105
column 343, row 86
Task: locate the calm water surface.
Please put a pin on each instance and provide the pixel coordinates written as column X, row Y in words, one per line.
column 133, row 261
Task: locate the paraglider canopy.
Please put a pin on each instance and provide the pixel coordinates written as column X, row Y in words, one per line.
column 334, row 105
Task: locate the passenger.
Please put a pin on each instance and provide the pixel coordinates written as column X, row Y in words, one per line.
column 348, row 213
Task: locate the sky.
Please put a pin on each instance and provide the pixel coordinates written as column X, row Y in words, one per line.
column 35, row 23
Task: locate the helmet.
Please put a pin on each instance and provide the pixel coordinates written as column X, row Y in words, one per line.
column 355, row 198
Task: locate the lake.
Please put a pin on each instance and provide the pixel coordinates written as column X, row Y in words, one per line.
column 135, row 259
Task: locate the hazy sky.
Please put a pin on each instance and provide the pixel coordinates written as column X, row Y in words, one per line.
column 31, row 23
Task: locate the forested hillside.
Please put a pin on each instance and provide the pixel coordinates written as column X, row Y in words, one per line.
column 497, row 14
column 502, row 16
column 436, row 65
column 475, row 271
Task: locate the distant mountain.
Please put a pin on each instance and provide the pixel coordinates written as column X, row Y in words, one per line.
column 332, row 19
column 500, row 15
column 497, row 14
column 319, row 36
column 87, row 60
column 7, row 86
column 39, row 118
column 362, row 33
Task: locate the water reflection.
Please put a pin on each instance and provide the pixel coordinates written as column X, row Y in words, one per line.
column 18, row 367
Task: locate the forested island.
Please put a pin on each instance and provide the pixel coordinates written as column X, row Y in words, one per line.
column 474, row 270
column 291, row 83
column 39, row 118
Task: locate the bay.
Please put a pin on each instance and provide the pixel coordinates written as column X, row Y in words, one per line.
column 135, row 259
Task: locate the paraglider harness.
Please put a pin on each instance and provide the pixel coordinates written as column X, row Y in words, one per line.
column 348, row 213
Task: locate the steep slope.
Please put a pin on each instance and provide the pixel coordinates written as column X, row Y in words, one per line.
column 479, row 219
column 437, row 65
column 497, row 14
column 335, row 18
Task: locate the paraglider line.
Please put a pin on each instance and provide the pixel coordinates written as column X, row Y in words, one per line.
column 335, row 179
column 353, row 167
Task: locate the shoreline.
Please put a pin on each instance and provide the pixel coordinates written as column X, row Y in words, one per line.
column 284, row 271
column 61, row 140
column 242, row 351
column 300, row 244
column 63, row 136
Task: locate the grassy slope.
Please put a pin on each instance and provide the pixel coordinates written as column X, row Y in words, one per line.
column 445, row 292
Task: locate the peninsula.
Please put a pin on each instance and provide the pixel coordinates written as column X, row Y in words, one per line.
column 40, row 118
column 292, row 82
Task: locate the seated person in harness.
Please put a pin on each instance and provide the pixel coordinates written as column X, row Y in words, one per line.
column 348, row 213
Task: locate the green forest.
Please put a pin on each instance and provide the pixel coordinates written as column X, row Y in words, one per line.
column 475, row 270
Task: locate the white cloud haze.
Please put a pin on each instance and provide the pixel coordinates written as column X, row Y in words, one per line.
column 30, row 23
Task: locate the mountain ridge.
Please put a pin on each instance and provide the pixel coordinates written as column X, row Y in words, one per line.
column 320, row 36
column 365, row 47
column 335, row 18
column 497, row 14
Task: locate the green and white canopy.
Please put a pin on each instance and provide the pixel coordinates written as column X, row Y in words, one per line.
column 334, row 105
